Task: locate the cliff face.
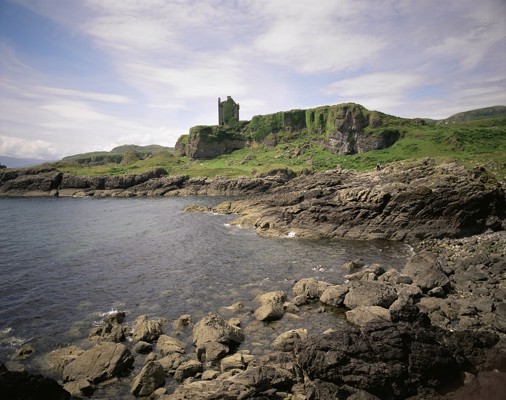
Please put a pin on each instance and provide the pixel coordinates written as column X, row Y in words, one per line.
column 343, row 129
column 205, row 142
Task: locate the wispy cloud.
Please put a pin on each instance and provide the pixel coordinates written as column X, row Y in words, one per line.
column 164, row 63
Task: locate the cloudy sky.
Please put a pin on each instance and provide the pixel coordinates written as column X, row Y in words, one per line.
column 87, row 75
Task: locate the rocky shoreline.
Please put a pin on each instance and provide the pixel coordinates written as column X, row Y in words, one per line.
column 404, row 201
column 436, row 329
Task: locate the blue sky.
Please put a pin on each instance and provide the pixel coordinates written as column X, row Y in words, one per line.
column 88, row 75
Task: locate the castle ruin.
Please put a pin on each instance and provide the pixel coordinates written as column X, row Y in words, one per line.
column 228, row 111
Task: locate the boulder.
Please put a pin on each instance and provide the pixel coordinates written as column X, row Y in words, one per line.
column 271, row 306
column 143, row 347
column 146, row 330
column 334, row 295
column 362, row 315
column 168, row 345
column 500, row 317
column 235, row 361
column 182, row 322
column 370, row 293
column 426, row 271
column 211, row 389
column 287, row 340
column 310, row 288
column 171, row 362
column 151, row 377
column 212, row 351
column 213, row 328
column 79, row 389
column 187, row 369
column 353, row 266
column 59, row 358
column 100, row 363
column 272, row 372
column 109, row 332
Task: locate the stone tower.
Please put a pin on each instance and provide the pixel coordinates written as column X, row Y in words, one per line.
column 228, row 111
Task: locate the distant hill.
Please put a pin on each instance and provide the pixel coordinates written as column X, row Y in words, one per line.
column 473, row 115
column 151, row 148
column 16, row 162
column 115, row 155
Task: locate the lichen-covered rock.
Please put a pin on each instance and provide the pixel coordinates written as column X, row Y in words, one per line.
column 213, row 328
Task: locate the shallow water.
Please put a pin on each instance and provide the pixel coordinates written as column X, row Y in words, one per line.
column 65, row 261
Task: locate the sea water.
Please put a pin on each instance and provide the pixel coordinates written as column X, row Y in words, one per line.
column 64, row 262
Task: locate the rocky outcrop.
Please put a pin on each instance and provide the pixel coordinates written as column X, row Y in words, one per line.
column 21, row 385
column 203, row 142
column 386, row 359
column 404, row 201
column 40, row 182
column 153, row 183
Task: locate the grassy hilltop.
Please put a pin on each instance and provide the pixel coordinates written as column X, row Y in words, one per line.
column 476, row 137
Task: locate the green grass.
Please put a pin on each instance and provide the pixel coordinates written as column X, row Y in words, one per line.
column 472, row 143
